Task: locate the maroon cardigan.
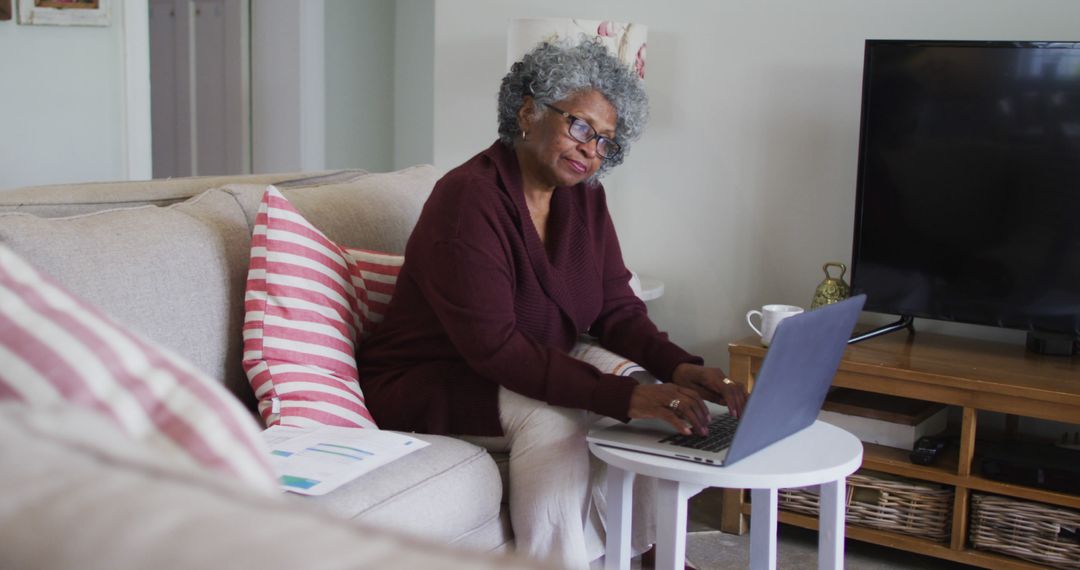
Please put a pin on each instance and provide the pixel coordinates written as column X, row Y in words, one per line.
column 480, row 302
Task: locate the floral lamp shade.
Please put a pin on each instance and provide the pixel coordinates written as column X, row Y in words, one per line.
column 625, row 40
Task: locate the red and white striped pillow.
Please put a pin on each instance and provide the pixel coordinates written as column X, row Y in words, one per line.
column 55, row 349
column 308, row 302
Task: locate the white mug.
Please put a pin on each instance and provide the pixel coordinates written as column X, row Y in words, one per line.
column 770, row 316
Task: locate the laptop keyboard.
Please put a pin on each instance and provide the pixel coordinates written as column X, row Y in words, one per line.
column 721, row 432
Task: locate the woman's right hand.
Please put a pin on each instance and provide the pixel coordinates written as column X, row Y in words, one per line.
column 682, row 407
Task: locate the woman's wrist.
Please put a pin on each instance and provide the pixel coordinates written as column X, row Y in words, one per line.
column 684, row 372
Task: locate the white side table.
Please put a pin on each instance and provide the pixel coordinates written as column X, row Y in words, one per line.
column 646, row 288
column 651, row 289
column 821, row 454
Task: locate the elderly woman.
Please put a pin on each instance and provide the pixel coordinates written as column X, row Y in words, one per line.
column 514, row 256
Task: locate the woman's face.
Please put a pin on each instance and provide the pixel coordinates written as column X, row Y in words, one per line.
column 549, row 155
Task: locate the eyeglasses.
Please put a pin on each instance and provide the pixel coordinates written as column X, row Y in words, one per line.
column 582, row 131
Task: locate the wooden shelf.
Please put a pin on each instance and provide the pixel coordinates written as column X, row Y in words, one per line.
column 896, row 461
column 974, row 375
column 920, row 545
column 1022, row 492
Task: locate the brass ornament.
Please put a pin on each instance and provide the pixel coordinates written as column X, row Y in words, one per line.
column 832, row 289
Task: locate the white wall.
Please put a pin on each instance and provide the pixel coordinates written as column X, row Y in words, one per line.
column 78, row 119
column 359, row 84
column 743, row 184
column 414, row 82
column 288, row 86
column 62, row 96
column 322, row 84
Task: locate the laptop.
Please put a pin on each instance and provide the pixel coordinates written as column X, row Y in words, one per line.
column 788, row 393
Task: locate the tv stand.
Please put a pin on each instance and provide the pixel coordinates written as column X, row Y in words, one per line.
column 974, row 376
column 905, row 322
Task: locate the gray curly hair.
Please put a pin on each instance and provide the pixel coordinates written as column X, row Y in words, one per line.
column 553, row 71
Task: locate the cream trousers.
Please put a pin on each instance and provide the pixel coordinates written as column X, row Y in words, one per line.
column 557, row 487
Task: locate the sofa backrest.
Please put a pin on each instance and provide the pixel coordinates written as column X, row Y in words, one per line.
column 73, row 199
column 174, row 267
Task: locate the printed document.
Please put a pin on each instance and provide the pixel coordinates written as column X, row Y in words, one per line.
column 315, row 461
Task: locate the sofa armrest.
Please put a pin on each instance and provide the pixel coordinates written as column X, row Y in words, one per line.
column 88, row 497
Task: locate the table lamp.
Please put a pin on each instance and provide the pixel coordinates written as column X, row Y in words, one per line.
column 625, row 40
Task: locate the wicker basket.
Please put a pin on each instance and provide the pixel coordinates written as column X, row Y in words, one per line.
column 1032, row 531
column 886, row 502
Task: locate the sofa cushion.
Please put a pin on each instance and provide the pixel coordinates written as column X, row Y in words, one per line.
column 376, row 211
column 173, row 274
column 307, row 304
column 176, row 273
column 56, row 349
column 445, row 491
column 90, row 498
column 300, row 322
column 378, row 278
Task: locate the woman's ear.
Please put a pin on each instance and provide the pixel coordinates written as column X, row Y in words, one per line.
column 525, row 113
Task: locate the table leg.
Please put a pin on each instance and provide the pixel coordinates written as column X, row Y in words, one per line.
column 831, row 525
column 620, row 489
column 763, row 529
column 671, row 498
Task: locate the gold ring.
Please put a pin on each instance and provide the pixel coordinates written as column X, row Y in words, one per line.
column 728, row 381
column 674, row 405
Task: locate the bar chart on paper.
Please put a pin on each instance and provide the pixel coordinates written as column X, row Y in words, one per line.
column 315, row 461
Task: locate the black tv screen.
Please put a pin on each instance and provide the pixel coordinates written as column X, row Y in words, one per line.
column 968, row 192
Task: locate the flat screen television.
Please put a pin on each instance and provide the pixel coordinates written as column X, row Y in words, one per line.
column 968, row 188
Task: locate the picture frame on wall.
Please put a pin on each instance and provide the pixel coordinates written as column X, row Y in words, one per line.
column 5, row 10
column 64, row 12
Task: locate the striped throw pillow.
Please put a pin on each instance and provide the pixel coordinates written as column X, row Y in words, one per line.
column 55, row 349
column 307, row 304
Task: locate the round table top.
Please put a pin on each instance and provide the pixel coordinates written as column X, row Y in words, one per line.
column 815, row 455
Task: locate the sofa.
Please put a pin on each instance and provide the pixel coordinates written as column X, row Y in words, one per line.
column 168, row 259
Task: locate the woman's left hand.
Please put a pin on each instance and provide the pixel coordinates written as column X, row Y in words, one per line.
column 711, row 384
